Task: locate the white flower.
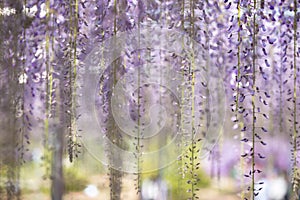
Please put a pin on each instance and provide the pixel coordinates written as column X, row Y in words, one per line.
column 43, row 11
column 60, row 19
column 30, row 12
column 7, row 11
column 23, row 78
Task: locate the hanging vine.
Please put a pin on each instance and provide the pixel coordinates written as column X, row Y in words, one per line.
column 295, row 180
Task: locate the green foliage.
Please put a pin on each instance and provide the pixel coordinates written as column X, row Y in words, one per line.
column 176, row 184
column 74, row 179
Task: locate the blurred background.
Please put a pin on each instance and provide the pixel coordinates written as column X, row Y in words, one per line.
column 211, row 88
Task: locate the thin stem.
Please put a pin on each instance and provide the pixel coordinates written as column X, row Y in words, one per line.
column 253, row 102
column 193, row 101
column 238, row 77
column 280, row 80
column 23, row 88
column 47, row 151
column 180, row 162
column 74, row 79
column 138, row 112
column 295, row 91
